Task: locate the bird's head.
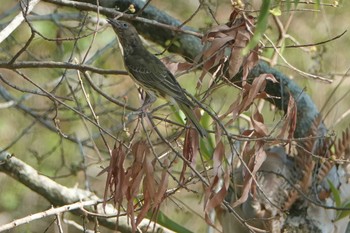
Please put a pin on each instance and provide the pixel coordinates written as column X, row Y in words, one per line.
column 127, row 34
column 120, row 26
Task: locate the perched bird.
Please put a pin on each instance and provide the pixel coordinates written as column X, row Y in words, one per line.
column 150, row 73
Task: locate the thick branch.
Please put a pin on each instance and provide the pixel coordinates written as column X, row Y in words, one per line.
column 60, row 195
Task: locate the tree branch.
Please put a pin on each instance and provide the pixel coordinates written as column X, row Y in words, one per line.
column 190, row 46
column 60, row 195
column 53, row 64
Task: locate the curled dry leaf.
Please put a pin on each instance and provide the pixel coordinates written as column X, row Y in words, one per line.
column 258, row 124
column 218, row 157
column 224, row 44
column 213, row 198
column 190, row 150
column 217, row 190
column 254, row 164
column 127, row 183
column 250, row 92
column 176, row 67
column 253, row 156
column 115, row 176
column 290, row 120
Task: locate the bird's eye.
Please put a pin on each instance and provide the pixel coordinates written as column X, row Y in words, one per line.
column 125, row 25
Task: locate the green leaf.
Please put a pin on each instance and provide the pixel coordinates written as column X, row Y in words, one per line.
column 344, row 213
column 296, row 2
column 288, row 4
column 336, row 194
column 207, row 144
column 317, row 5
column 276, row 11
column 261, row 26
column 179, row 115
column 163, row 220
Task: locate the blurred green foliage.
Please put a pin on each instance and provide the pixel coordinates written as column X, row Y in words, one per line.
column 69, row 164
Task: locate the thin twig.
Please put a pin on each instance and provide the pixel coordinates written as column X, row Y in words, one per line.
column 317, row 77
column 53, row 64
column 52, row 211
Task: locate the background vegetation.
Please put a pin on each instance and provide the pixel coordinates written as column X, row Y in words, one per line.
column 70, row 150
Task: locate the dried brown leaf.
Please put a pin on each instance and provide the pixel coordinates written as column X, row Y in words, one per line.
column 162, row 187
column 190, row 150
column 153, row 192
column 254, row 89
column 217, row 190
column 149, row 182
column 250, row 93
column 115, row 176
column 211, row 62
column 258, row 124
column 218, row 197
column 146, row 205
column 237, row 59
column 176, row 67
column 249, row 63
column 234, row 109
column 254, row 164
column 234, row 37
column 216, row 45
column 290, row 120
column 213, row 32
column 127, row 183
column 218, row 157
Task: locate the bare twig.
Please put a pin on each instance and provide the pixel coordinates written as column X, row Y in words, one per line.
column 44, row 214
column 17, row 20
column 53, row 64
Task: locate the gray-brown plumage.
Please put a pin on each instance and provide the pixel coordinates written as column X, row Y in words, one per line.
column 150, row 73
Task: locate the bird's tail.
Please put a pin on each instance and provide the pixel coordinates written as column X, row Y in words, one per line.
column 191, row 116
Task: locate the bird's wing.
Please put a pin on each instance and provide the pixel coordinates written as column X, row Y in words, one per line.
column 150, row 73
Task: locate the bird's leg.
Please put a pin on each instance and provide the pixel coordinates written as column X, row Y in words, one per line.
column 149, row 100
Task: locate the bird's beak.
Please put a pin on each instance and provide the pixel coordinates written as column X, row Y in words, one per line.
column 110, row 20
column 113, row 22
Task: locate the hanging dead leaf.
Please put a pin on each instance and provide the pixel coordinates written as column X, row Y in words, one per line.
column 218, row 157
column 224, row 44
column 290, row 120
column 214, row 199
column 258, row 124
column 190, row 150
column 127, row 183
column 115, row 176
column 254, row 164
column 217, row 190
column 176, row 67
column 253, row 91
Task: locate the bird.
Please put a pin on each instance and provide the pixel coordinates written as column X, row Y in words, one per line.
column 150, row 73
